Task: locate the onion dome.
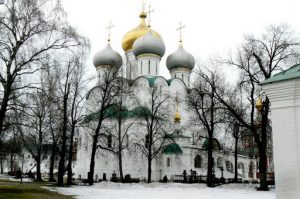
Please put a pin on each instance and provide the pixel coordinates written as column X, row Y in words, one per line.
column 107, row 57
column 136, row 33
column 149, row 44
column 177, row 117
column 180, row 59
column 259, row 104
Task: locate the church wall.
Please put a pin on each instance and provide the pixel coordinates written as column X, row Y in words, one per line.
column 285, row 107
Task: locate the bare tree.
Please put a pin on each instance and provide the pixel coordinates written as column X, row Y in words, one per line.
column 77, row 96
column 35, row 122
column 65, row 79
column 31, row 30
column 208, row 111
column 50, row 86
column 100, row 99
column 257, row 59
column 117, row 139
column 154, row 116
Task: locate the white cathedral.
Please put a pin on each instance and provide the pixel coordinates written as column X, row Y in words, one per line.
column 144, row 49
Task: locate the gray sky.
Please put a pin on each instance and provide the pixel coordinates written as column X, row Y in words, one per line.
column 212, row 26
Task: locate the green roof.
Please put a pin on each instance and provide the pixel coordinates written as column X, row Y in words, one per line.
column 172, row 149
column 291, row 73
column 113, row 112
column 151, row 80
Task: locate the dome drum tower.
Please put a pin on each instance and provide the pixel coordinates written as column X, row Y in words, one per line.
column 180, row 64
column 136, row 46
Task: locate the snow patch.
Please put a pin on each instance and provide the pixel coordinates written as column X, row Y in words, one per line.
column 108, row 190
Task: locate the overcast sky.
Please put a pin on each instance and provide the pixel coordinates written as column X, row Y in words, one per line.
column 212, row 26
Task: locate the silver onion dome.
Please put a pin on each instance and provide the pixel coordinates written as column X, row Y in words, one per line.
column 107, row 57
column 149, row 44
column 180, row 59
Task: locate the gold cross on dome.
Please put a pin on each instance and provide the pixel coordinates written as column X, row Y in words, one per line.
column 143, row 6
column 149, row 17
column 180, row 31
column 109, row 27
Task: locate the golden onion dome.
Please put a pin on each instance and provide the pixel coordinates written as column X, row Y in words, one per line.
column 136, row 33
column 259, row 104
column 177, row 117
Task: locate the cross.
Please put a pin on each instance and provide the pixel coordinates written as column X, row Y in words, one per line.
column 143, row 6
column 180, row 31
column 109, row 27
column 149, row 13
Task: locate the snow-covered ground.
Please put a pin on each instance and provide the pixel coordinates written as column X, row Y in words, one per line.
column 107, row 190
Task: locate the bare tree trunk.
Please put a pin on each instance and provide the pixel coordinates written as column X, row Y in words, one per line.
column 38, row 169
column 1, row 165
column 235, row 160
column 149, row 169
column 39, row 153
column 210, row 180
column 52, row 160
column 120, row 148
column 92, row 164
column 263, row 147
column 61, row 168
column 4, row 105
column 69, row 168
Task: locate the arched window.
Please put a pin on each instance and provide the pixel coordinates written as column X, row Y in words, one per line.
column 109, row 141
column 197, row 161
column 168, row 162
column 149, row 68
column 241, row 168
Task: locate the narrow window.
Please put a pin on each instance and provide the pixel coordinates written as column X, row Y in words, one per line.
column 182, row 76
column 168, row 162
column 175, row 75
column 156, row 68
column 129, row 71
column 197, row 161
column 109, row 140
column 149, row 68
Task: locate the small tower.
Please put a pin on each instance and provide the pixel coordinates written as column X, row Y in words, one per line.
column 107, row 60
column 148, row 51
column 181, row 63
column 132, row 71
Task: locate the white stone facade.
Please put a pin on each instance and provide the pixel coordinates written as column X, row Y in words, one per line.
column 285, row 107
